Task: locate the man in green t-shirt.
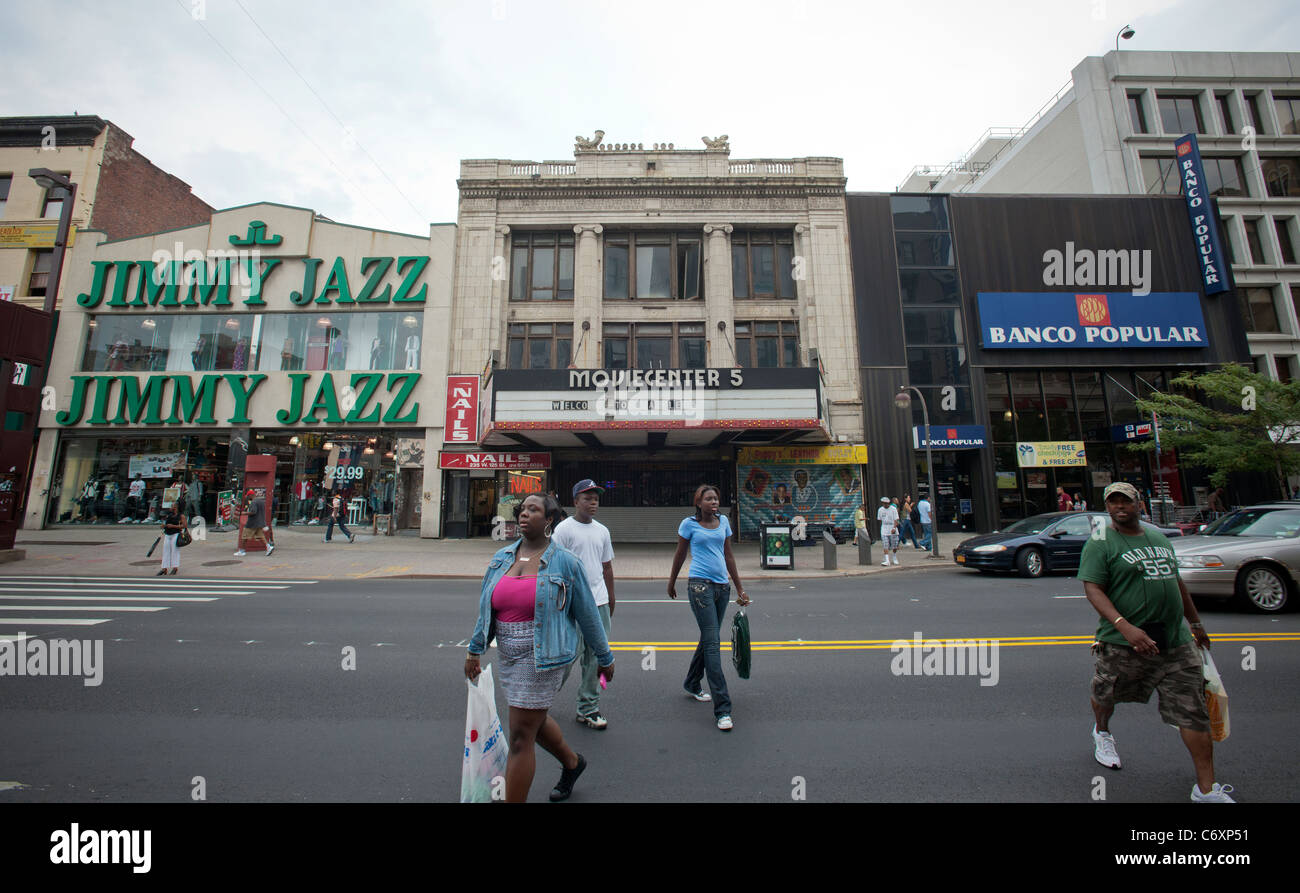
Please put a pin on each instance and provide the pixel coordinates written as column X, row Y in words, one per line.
column 1130, row 575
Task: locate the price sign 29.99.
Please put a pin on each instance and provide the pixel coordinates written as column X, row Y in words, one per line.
column 344, row 472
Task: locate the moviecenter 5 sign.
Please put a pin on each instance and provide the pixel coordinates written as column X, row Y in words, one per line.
column 1028, row 320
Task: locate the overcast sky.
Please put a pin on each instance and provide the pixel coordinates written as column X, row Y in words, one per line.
column 363, row 110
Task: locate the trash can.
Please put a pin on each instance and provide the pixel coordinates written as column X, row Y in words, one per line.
column 774, row 547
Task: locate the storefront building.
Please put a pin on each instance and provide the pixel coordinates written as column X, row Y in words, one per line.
column 642, row 316
column 265, row 331
column 1030, row 324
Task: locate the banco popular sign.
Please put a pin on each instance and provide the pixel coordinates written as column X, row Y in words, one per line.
column 1021, row 320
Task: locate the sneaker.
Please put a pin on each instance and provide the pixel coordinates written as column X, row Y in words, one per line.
column 270, row 548
column 594, row 720
column 564, row 787
column 1104, row 749
column 885, row 563
column 699, row 695
column 1218, row 794
column 240, row 553
column 352, row 537
column 725, row 723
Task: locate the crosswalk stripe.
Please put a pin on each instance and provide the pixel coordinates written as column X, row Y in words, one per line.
column 125, row 593
column 80, row 608
column 48, row 621
column 108, row 598
column 145, row 583
column 199, row 581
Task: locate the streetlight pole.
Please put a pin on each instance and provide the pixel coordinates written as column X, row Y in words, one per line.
column 903, row 400
column 48, row 179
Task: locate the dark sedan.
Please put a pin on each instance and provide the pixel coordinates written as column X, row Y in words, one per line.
column 1038, row 544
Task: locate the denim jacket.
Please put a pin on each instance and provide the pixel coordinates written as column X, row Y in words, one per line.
column 565, row 605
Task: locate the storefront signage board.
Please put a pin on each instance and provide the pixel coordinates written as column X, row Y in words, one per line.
column 33, row 235
column 950, row 437
column 835, row 454
column 1051, row 454
column 462, row 409
column 1205, row 228
column 1055, row 320
column 507, row 461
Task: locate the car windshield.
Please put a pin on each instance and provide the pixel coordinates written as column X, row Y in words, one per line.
column 1277, row 523
column 1030, row 525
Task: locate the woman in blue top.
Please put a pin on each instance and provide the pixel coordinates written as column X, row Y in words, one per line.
column 707, row 537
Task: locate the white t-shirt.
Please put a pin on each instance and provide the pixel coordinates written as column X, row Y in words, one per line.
column 924, row 508
column 591, row 543
column 888, row 518
column 137, row 487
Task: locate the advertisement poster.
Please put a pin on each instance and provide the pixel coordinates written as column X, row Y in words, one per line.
column 152, row 465
column 170, row 496
column 226, row 507
column 1051, row 454
column 820, row 494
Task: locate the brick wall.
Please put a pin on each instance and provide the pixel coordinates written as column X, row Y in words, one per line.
column 135, row 197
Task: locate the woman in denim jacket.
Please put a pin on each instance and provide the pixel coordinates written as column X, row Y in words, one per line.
column 535, row 599
column 707, row 537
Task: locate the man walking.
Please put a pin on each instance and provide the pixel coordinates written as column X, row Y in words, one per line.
column 923, row 509
column 860, row 524
column 887, row 515
column 587, row 538
column 1063, row 501
column 1130, row 576
column 257, row 520
column 336, row 517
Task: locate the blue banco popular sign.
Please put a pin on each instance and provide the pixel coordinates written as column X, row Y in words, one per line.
column 1026, row 320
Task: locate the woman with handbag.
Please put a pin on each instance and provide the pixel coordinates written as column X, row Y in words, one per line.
column 174, row 527
column 707, row 537
column 535, row 599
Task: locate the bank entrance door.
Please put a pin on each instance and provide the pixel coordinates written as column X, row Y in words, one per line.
column 955, row 507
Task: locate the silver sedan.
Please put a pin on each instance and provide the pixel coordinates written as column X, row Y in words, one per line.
column 1251, row 554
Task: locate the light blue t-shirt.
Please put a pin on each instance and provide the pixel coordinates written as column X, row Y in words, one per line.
column 924, row 508
column 708, row 559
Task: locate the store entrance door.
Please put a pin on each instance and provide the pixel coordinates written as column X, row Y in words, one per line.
column 412, row 493
column 482, row 502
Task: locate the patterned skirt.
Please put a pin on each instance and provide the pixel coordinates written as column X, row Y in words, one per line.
column 525, row 685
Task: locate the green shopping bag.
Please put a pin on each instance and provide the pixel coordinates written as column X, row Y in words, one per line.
column 740, row 643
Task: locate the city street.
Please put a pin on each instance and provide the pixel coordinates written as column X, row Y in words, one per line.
column 242, row 683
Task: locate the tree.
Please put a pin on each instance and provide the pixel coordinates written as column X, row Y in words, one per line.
column 1230, row 419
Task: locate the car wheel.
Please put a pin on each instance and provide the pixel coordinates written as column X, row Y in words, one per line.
column 1262, row 588
column 1029, row 562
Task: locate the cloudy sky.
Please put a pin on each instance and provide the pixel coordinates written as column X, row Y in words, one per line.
column 362, row 110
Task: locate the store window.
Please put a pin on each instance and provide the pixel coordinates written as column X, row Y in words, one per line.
column 539, row 345
column 314, row 467
column 653, row 266
column 762, row 265
column 541, row 267
column 1031, row 420
column 767, row 344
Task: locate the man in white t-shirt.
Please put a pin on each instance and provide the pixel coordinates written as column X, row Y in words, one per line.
column 587, row 538
column 135, row 496
column 887, row 515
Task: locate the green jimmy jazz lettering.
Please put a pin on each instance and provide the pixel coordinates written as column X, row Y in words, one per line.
column 337, row 282
column 193, row 399
column 417, row 265
column 99, row 278
column 157, row 284
column 121, row 273
column 381, row 265
column 256, row 236
column 254, row 299
column 309, row 267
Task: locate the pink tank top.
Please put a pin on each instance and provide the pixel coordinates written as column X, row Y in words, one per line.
column 513, row 599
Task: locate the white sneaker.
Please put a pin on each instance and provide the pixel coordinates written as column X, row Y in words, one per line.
column 270, row 548
column 885, row 563
column 240, row 554
column 725, row 724
column 700, row 695
column 1104, row 749
column 1218, row 794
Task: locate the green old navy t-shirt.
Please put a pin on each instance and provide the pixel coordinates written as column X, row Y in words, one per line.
column 1140, row 576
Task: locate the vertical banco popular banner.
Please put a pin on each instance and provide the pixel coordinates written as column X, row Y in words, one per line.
column 779, row 484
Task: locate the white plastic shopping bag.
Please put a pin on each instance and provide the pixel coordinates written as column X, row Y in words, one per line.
column 1216, row 698
column 485, row 742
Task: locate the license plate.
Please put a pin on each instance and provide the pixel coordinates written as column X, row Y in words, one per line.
column 961, row 559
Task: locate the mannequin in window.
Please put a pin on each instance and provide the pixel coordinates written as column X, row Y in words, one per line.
column 286, row 355
column 198, row 355
column 376, row 348
column 117, row 354
column 240, row 361
column 338, row 356
column 413, row 352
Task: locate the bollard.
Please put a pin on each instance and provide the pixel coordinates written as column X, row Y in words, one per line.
column 864, row 550
column 829, row 562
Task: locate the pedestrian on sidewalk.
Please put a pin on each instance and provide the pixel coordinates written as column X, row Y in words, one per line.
column 258, row 521
column 336, row 517
column 927, row 522
column 707, row 537
column 908, row 520
column 588, row 539
column 1063, row 501
column 535, row 600
column 173, row 524
column 887, row 515
column 1143, row 644
column 860, row 523
column 194, row 498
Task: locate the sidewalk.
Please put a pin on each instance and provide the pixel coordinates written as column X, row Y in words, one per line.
column 300, row 554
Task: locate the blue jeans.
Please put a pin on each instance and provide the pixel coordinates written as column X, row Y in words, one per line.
column 589, row 691
column 906, row 532
column 329, row 528
column 709, row 605
column 925, row 535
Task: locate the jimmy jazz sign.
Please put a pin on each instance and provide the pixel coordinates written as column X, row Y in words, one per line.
column 194, row 279
column 364, row 398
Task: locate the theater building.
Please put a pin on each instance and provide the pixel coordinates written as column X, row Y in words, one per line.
column 266, row 330
column 650, row 316
column 1031, row 324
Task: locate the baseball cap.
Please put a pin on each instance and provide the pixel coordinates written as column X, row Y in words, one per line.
column 1123, row 489
column 584, row 485
column 884, row 499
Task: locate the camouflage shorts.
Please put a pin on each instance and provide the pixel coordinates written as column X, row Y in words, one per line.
column 1123, row 675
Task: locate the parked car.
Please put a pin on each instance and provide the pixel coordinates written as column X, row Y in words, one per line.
column 1038, row 544
column 1250, row 554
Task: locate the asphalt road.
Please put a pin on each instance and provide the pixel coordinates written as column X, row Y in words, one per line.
column 248, row 692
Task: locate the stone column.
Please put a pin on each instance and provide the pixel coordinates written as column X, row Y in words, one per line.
column 500, row 291
column 803, row 283
column 718, row 294
column 586, row 295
